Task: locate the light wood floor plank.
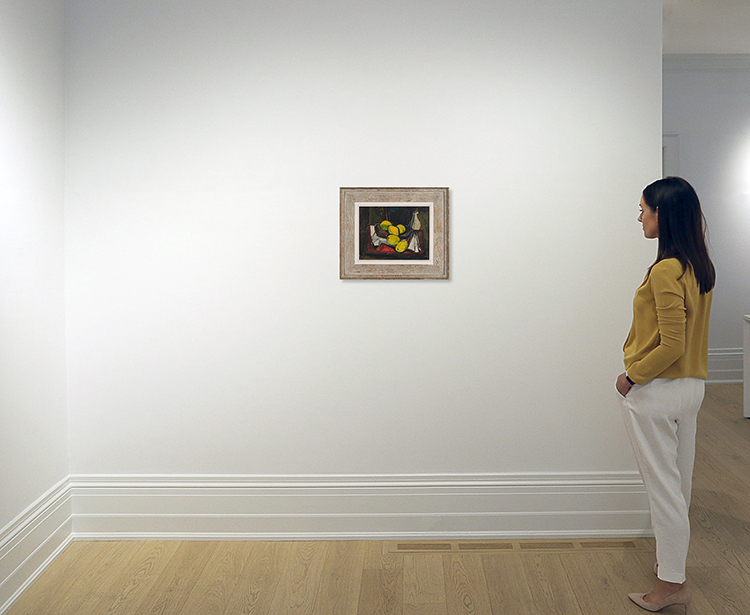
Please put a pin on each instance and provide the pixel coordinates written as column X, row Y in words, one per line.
column 550, row 585
column 726, row 403
column 381, row 592
column 628, row 572
column 726, row 442
column 424, row 584
column 341, row 579
column 214, row 589
column 465, row 585
column 592, row 585
column 700, row 603
column 121, row 581
column 177, row 579
column 719, row 474
column 705, row 542
column 507, row 584
column 425, row 609
column 257, row 584
column 379, row 557
column 381, row 585
column 734, row 541
column 719, row 521
column 47, row 593
column 301, row 576
column 726, row 594
column 97, row 585
column 150, row 563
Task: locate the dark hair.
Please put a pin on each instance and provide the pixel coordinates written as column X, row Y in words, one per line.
column 682, row 228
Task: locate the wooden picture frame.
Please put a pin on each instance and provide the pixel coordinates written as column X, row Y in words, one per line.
column 393, row 233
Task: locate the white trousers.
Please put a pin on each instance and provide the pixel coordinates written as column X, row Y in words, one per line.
column 661, row 417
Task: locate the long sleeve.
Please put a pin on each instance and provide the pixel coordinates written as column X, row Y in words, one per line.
column 669, row 334
column 669, row 303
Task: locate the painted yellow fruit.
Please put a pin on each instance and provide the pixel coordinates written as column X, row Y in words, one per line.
column 385, row 224
column 393, row 240
column 401, row 228
column 393, row 230
column 401, row 245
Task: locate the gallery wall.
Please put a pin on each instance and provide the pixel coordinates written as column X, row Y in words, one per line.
column 707, row 115
column 212, row 350
column 33, row 426
column 209, row 332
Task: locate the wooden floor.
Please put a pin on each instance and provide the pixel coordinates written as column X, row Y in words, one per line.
column 367, row 578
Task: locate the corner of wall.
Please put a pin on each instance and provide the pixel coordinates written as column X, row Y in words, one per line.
column 33, row 540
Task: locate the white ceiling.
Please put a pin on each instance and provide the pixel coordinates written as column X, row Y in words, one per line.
column 706, row 26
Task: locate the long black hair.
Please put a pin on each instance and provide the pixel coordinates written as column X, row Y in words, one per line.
column 682, row 228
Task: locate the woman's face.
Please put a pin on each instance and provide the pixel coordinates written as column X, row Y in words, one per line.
column 649, row 218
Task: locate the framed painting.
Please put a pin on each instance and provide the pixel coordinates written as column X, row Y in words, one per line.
column 390, row 233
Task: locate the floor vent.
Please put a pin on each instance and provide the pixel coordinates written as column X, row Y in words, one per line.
column 522, row 546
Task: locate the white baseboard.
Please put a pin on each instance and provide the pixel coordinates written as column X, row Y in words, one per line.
column 725, row 366
column 707, row 61
column 32, row 541
column 334, row 507
column 359, row 507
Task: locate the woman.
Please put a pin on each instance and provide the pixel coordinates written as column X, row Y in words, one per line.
column 666, row 362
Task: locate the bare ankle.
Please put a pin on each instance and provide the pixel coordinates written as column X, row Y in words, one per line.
column 671, row 586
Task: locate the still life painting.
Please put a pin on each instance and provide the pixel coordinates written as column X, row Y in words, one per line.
column 399, row 232
column 394, row 233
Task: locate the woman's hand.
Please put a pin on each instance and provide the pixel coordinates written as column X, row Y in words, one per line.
column 622, row 385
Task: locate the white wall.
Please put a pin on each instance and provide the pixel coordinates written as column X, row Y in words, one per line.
column 35, row 512
column 208, row 330
column 707, row 105
column 33, row 426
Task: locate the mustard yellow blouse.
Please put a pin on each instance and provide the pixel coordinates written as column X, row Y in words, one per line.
column 669, row 334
